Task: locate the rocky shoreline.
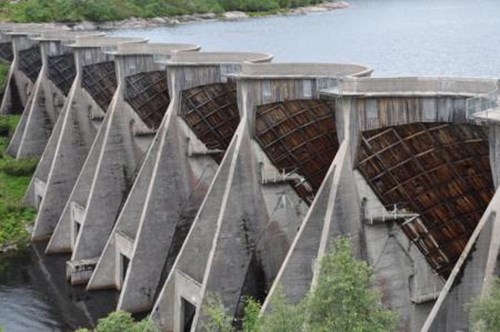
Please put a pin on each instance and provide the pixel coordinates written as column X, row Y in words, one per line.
column 140, row 23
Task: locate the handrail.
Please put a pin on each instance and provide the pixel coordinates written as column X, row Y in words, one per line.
column 386, row 213
column 481, row 104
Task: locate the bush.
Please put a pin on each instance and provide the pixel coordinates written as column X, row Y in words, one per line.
column 4, row 127
column 4, row 72
column 19, row 167
column 14, row 218
column 341, row 301
column 485, row 313
column 121, row 321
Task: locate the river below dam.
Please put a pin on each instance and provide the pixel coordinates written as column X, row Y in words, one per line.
column 394, row 37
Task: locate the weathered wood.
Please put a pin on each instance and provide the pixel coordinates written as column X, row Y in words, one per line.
column 100, row 81
column 299, row 136
column 147, row 93
column 440, row 171
column 212, row 113
column 62, row 71
column 6, row 52
column 30, row 62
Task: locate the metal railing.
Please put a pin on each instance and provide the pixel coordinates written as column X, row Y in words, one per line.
column 272, row 175
column 386, row 213
column 196, row 148
column 482, row 104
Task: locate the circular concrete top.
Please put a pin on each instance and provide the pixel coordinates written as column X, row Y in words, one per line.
column 29, row 27
column 151, row 48
column 66, row 36
column 107, row 43
column 300, row 70
column 215, row 58
column 414, row 86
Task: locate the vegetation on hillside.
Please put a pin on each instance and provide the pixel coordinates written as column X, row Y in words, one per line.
column 485, row 313
column 341, row 301
column 112, row 10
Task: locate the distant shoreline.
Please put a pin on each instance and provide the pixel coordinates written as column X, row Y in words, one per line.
column 141, row 23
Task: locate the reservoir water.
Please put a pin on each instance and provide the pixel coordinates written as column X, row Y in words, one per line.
column 395, row 37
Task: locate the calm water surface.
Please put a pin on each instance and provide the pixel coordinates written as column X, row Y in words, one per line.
column 34, row 295
column 395, row 37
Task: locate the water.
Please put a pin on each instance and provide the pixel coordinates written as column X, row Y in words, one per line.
column 395, row 37
column 34, row 295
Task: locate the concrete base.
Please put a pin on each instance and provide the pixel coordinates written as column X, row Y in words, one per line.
column 79, row 272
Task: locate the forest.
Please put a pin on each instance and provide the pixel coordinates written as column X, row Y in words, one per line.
column 114, row 10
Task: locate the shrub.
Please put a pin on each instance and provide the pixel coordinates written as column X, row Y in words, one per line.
column 4, row 72
column 4, row 126
column 485, row 313
column 19, row 167
column 341, row 301
column 121, row 321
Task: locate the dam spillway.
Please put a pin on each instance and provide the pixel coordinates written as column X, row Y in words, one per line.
column 171, row 173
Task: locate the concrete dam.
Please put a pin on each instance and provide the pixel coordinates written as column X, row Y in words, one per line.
column 169, row 174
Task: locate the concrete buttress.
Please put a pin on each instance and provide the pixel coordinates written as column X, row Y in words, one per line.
column 174, row 179
column 74, row 132
column 225, row 251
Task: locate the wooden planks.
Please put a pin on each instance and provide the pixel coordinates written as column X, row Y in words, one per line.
column 62, row 71
column 299, row 136
column 438, row 170
column 211, row 111
column 148, row 95
column 30, row 62
column 100, row 82
column 6, row 52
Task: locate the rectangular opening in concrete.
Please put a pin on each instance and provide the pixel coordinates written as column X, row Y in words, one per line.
column 76, row 231
column 125, row 262
column 188, row 311
column 38, row 201
column 40, row 187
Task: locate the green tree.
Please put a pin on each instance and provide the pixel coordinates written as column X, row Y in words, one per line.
column 284, row 316
column 121, row 321
column 341, row 301
column 485, row 313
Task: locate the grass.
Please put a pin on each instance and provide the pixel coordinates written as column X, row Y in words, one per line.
column 15, row 176
column 4, row 70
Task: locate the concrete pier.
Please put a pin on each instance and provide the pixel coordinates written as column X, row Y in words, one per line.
column 49, row 93
column 415, row 117
column 257, row 197
column 75, row 130
column 175, row 176
column 26, row 63
column 131, row 121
